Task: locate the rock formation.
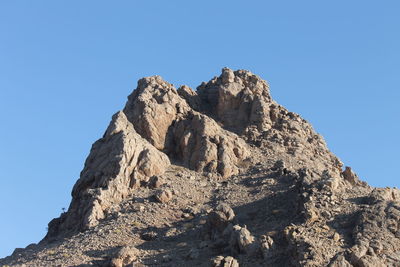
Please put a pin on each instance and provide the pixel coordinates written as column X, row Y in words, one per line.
column 218, row 176
column 117, row 164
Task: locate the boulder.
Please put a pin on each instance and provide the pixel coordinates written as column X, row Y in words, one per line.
column 242, row 241
column 163, row 195
column 124, row 256
column 350, row 176
column 221, row 217
column 267, row 246
column 221, row 261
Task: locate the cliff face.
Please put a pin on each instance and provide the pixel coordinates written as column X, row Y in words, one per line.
column 220, row 176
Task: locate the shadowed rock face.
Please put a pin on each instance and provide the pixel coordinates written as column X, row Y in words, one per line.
column 237, row 99
column 220, row 176
column 202, row 145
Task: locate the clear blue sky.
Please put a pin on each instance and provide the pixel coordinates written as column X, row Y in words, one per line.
column 67, row 66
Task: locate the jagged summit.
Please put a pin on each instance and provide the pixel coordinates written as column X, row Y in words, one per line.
column 218, row 176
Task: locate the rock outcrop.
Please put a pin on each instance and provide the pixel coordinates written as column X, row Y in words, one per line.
column 181, row 176
column 222, row 261
column 117, row 164
column 238, row 100
column 155, row 122
column 202, row 145
column 377, row 230
column 153, row 107
column 124, row 256
column 163, row 116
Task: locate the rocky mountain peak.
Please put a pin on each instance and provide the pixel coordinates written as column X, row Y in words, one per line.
column 217, row 176
column 211, row 130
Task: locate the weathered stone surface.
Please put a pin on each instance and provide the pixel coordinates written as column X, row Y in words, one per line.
column 237, row 99
column 267, row 246
column 190, row 96
column 193, row 254
column 203, row 145
column 221, row 217
column 295, row 206
column 124, row 256
column 377, row 233
column 384, row 194
column 339, row 261
column 225, row 234
column 221, row 261
column 163, row 116
column 163, row 196
column 241, row 102
column 117, row 162
column 350, row 176
column 153, row 107
column 242, row 241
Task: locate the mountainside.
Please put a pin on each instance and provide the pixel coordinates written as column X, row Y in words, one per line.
column 220, row 176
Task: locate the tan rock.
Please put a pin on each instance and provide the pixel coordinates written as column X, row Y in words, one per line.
column 385, row 194
column 350, row 176
column 339, row 261
column 165, row 119
column 221, row 261
column 336, row 237
column 190, row 96
column 240, row 101
column 242, row 241
column 237, row 99
column 312, row 215
column 153, row 107
column 220, row 217
column 267, row 246
column 163, row 196
column 204, row 146
column 124, row 256
column 332, row 183
column 116, row 163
